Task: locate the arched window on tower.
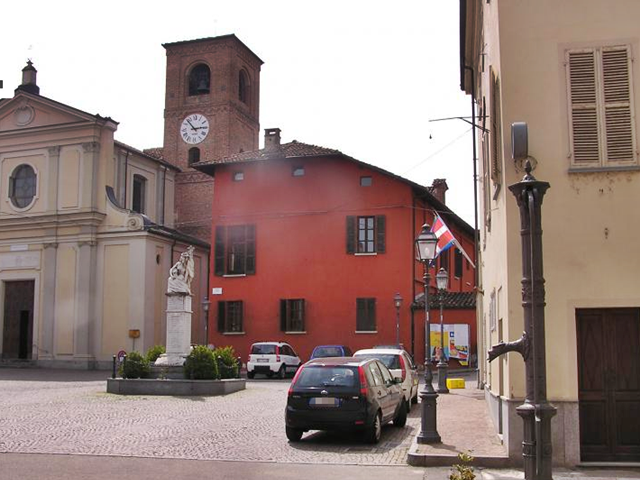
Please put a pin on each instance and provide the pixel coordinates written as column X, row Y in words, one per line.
column 243, row 87
column 194, row 155
column 200, row 80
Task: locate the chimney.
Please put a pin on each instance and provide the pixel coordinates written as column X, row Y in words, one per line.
column 438, row 189
column 271, row 139
column 29, row 79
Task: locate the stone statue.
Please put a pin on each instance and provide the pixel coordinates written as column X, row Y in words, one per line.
column 181, row 274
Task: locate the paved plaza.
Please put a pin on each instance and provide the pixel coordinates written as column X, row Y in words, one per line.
column 65, row 420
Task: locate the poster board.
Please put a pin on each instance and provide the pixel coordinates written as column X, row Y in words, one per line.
column 456, row 341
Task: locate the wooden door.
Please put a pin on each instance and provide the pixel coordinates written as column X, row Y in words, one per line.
column 17, row 335
column 609, row 384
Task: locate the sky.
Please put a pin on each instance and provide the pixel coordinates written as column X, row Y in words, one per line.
column 359, row 76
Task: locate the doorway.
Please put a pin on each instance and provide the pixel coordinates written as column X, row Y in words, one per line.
column 17, row 335
column 609, row 384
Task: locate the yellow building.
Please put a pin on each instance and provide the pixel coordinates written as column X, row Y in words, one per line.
column 86, row 237
column 569, row 70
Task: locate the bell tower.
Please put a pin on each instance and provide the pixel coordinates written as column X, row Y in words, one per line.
column 211, row 111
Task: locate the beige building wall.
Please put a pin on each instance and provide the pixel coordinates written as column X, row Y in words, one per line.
column 589, row 219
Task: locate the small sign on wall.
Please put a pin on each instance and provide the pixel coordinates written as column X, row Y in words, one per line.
column 216, row 291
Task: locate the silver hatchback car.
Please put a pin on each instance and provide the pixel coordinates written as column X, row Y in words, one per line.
column 400, row 363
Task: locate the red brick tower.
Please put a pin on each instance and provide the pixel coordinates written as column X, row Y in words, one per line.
column 211, row 111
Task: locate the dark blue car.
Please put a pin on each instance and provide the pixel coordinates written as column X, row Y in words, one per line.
column 323, row 351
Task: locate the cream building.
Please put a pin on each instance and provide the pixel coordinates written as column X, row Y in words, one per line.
column 569, row 70
column 86, row 237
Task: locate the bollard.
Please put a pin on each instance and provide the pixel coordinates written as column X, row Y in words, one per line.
column 239, row 359
column 113, row 373
column 124, row 367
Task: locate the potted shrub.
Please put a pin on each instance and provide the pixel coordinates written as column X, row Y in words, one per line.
column 135, row 366
column 201, row 364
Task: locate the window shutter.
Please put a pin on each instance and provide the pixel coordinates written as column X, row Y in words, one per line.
column 283, row 315
column 251, row 250
column 496, row 129
column 380, row 234
column 616, row 73
column 303, row 314
column 221, row 316
column 241, row 316
column 351, row 235
column 584, row 111
column 372, row 314
column 219, row 251
column 360, row 314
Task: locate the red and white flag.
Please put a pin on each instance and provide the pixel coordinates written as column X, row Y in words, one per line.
column 446, row 240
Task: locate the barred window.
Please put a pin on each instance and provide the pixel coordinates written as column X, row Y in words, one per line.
column 365, row 314
column 292, row 315
column 230, row 316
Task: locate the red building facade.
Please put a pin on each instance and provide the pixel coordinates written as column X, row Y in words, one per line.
column 310, row 247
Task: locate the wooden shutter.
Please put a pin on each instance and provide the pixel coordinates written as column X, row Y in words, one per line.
column 351, row 235
column 616, row 82
column 360, row 314
column 381, row 234
column 251, row 250
column 303, row 309
column 283, row 315
column 496, row 129
column 584, row 109
column 240, row 309
column 222, row 312
column 219, row 251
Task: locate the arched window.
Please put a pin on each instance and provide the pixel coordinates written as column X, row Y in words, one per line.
column 194, row 155
column 22, row 186
column 200, row 80
column 139, row 194
column 243, row 87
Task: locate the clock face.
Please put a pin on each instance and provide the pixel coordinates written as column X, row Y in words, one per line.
column 194, row 128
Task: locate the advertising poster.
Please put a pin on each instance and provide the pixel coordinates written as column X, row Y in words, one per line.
column 456, row 341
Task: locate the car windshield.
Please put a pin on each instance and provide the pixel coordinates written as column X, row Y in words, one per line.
column 263, row 349
column 327, row 352
column 322, row 376
column 390, row 360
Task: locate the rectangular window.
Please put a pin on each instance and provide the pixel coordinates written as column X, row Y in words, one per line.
column 366, row 234
column 365, row 314
column 238, row 176
column 444, row 260
column 600, row 107
column 457, row 267
column 366, row 181
column 235, row 250
column 230, row 316
column 139, row 193
column 292, row 315
column 297, row 171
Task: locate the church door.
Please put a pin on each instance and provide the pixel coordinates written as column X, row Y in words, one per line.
column 17, row 335
column 609, row 384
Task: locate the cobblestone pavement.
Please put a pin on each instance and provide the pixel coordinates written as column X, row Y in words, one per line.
column 70, row 413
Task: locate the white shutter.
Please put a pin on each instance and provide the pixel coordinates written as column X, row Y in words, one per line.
column 619, row 125
column 585, row 142
column 496, row 137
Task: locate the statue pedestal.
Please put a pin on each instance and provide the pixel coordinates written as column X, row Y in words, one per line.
column 178, row 330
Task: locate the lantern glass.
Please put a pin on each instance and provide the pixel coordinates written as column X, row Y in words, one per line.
column 426, row 244
column 442, row 278
column 397, row 300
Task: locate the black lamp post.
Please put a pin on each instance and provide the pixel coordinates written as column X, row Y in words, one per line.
column 205, row 307
column 397, row 301
column 442, row 278
column 426, row 251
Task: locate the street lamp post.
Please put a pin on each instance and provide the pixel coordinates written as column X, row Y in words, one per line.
column 426, row 251
column 397, row 300
column 442, row 278
column 205, row 307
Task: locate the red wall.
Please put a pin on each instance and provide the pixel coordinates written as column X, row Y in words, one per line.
column 301, row 253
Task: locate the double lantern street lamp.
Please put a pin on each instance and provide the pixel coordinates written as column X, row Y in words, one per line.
column 442, row 278
column 425, row 252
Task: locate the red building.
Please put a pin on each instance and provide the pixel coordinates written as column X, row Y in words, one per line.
column 311, row 246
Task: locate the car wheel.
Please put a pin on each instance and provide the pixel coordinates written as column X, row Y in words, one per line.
column 373, row 433
column 282, row 372
column 294, row 434
column 251, row 374
column 400, row 419
column 408, row 403
column 270, row 374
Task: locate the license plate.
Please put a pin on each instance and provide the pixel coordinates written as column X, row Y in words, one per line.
column 324, row 402
column 263, row 360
